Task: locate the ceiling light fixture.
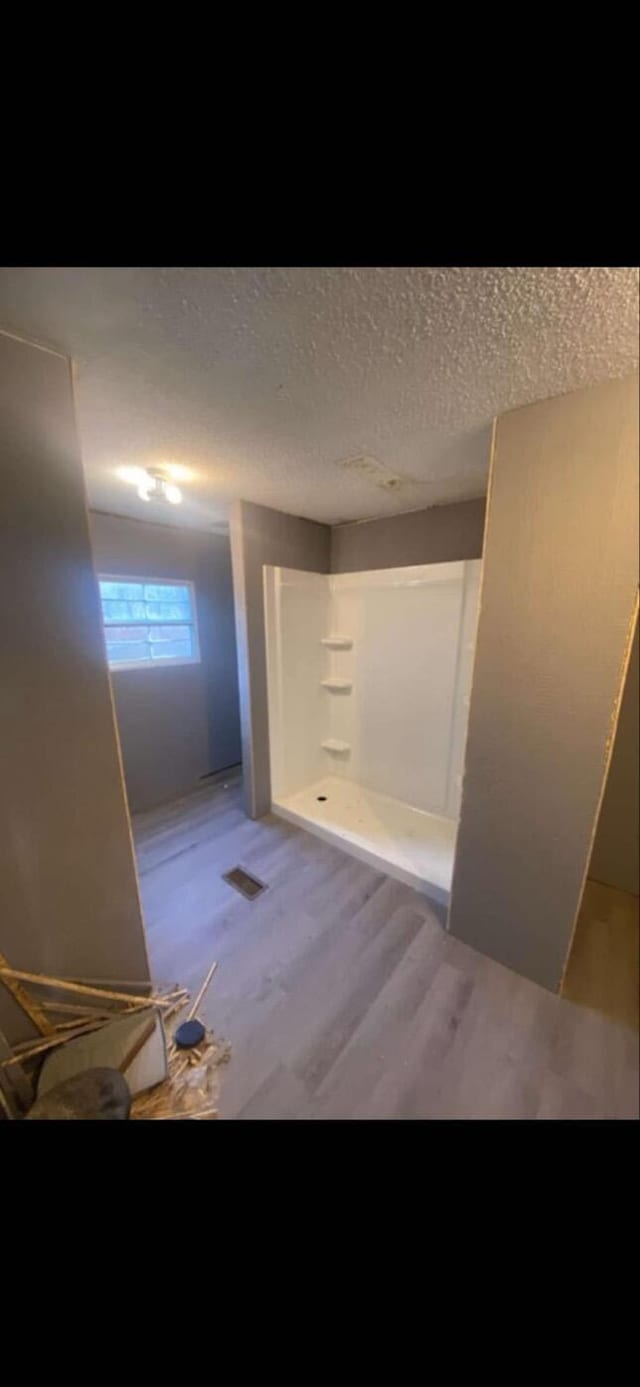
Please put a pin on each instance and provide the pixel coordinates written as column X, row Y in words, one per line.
column 155, row 486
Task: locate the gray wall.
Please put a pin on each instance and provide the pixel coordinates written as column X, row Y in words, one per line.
column 260, row 536
column 440, row 534
column 176, row 724
column 559, row 588
column 68, row 891
column 615, row 852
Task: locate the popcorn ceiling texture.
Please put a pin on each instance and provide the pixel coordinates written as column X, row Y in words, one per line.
column 260, row 380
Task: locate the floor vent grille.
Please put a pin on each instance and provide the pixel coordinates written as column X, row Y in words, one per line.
column 244, row 882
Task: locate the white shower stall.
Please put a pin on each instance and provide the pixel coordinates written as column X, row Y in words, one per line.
column 369, row 677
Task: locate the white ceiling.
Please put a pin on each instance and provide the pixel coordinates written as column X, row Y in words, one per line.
column 259, row 380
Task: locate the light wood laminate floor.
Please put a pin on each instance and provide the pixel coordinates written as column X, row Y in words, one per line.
column 341, row 994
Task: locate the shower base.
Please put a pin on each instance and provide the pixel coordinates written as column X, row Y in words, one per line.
column 404, row 842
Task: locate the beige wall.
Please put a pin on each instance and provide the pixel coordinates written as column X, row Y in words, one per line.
column 68, row 893
column 440, row 534
column 261, row 536
column 614, row 859
column 560, row 577
column 176, row 723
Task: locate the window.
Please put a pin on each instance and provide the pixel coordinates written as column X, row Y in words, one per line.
column 148, row 622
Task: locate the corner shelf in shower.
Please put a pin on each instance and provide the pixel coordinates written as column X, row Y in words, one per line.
column 334, row 744
column 337, row 642
column 337, row 685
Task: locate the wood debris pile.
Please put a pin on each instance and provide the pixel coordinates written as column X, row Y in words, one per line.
column 190, row 1089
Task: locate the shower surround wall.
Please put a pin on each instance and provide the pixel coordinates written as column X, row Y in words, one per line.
column 368, row 678
column 261, row 536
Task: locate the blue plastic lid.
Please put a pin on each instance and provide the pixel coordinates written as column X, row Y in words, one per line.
column 189, row 1033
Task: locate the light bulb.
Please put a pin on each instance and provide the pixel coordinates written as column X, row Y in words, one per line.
column 172, row 493
column 135, row 476
column 143, row 493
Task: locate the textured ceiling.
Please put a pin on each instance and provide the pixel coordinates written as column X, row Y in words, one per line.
column 259, row 380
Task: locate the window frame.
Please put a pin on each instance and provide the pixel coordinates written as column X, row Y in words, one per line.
column 171, row 661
